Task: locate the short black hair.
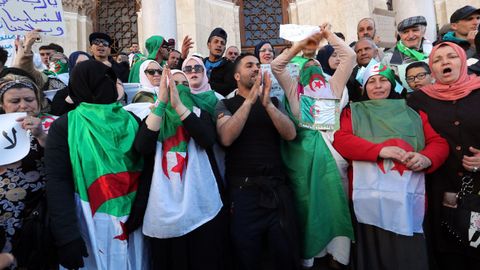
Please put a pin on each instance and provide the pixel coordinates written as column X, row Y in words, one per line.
column 3, row 56
column 236, row 64
column 45, row 47
column 56, row 47
column 16, row 71
column 417, row 65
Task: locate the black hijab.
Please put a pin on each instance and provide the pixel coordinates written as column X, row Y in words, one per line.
column 92, row 82
column 259, row 46
column 323, row 55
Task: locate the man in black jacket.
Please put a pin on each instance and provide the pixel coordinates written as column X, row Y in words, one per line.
column 100, row 46
column 219, row 69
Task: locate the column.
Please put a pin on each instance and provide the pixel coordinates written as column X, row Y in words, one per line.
column 409, row 8
column 159, row 17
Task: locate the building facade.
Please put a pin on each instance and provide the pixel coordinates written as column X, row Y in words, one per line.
column 246, row 21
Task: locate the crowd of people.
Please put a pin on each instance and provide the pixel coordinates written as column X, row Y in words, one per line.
column 369, row 158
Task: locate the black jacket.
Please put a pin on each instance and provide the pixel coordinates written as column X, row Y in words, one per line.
column 221, row 78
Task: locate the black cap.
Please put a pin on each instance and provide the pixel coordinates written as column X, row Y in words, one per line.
column 100, row 35
column 463, row 13
column 218, row 32
column 411, row 22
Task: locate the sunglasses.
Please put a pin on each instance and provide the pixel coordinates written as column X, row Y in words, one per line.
column 419, row 76
column 99, row 41
column 193, row 69
column 153, row 71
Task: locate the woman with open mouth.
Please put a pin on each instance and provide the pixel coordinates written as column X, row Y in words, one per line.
column 451, row 104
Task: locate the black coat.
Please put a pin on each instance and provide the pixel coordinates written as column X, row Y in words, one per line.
column 221, row 78
column 459, row 123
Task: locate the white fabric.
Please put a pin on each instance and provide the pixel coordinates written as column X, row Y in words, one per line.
column 140, row 109
column 179, row 205
column 146, row 85
column 387, row 199
column 105, row 251
column 339, row 248
column 295, row 32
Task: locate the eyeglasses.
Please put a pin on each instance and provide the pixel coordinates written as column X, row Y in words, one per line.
column 184, row 83
column 419, row 76
column 193, row 69
column 266, row 50
column 99, row 41
column 153, row 71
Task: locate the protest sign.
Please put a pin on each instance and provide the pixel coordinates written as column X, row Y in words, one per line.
column 319, row 113
column 14, row 140
column 294, row 32
column 7, row 42
column 21, row 16
column 276, row 90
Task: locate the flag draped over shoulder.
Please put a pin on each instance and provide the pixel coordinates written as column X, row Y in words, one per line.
column 386, row 193
column 106, row 171
column 319, row 197
column 184, row 192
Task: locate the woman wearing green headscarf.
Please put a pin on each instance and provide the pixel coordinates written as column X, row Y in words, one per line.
column 315, row 169
column 391, row 147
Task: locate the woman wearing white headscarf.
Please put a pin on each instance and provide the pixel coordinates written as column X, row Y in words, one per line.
column 150, row 74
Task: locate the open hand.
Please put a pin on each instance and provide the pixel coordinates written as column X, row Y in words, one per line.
column 472, row 163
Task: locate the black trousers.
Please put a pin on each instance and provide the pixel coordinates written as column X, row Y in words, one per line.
column 253, row 223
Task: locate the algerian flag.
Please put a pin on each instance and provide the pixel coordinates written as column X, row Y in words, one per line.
column 184, row 193
column 319, row 197
column 386, row 194
column 319, row 113
column 106, row 170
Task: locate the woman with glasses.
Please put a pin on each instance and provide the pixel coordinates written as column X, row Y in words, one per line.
column 452, row 106
column 150, row 74
column 417, row 75
column 264, row 52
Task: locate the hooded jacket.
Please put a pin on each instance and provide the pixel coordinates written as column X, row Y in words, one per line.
column 152, row 44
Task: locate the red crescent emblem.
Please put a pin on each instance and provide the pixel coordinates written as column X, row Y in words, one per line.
column 316, row 78
column 379, row 68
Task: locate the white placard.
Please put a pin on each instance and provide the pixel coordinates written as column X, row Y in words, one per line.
column 14, row 140
column 130, row 90
column 7, row 42
column 295, row 32
column 22, row 16
column 50, row 93
column 276, row 90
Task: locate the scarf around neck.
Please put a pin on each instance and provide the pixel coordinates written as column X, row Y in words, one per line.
column 414, row 54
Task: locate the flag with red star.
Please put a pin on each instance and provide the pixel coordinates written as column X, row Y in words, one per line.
column 106, row 170
column 386, row 193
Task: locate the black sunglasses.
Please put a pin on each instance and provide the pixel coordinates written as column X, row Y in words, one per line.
column 99, row 41
column 153, row 71
column 193, row 69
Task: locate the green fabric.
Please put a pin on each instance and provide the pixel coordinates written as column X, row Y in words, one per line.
column 206, row 101
column 319, row 196
column 379, row 69
column 383, row 119
column 414, row 54
column 59, row 68
column 300, row 61
column 450, row 36
column 100, row 138
column 152, row 44
column 307, row 74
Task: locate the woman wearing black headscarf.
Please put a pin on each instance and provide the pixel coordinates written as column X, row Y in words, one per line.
column 264, row 52
column 61, row 103
column 93, row 173
column 329, row 59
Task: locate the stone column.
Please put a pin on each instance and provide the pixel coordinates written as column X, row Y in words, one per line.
column 159, row 17
column 409, row 8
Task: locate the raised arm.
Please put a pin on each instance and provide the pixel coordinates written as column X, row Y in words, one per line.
column 24, row 58
column 288, row 83
column 230, row 126
column 347, row 63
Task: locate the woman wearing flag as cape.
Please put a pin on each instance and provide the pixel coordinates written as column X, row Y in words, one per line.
column 93, row 172
column 315, row 168
column 183, row 217
column 390, row 147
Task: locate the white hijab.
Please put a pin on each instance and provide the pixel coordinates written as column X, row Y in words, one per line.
column 146, row 85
